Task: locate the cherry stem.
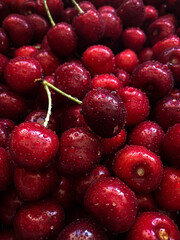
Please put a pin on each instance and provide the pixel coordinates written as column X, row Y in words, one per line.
column 77, row 6
column 48, row 13
column 49, row 105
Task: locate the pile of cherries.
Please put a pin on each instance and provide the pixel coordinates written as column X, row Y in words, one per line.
column 89, row 120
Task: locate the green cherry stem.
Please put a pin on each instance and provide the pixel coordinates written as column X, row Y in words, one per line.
column 48, row 13
column 49, row 106
column 77, row 6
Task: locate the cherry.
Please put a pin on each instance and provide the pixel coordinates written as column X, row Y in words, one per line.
column 131, row 12
column 171, row 145
column 107, row 8
column 26, row 51
column 98, row 59
column 111, row 203
column 104, row 111
column 167, row 194
column 28, row 7
column 136, row 104
column 4, row 42
column 139, row 168
column 10, row 202
column 146, row 54
column 4, row 11
column 148, row 134
column 21, row 72
column 133, row 38
column 79, row 153
column 39, row 220
column 6, row 127
column 153, row 78
column 151, row 14
column 85, row 229
column 126, row 60
column 123, row 76
column 3, row 62
column 19, row 29
column 33, row 146
column 146, row 202
column 153, row 225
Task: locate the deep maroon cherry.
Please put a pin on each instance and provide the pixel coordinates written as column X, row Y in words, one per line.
column 38, row 220
column 19, row 29
column 146, row 202
column 6, row 127
column 139, row 168
column 154, row 78
column 4, row 42
column 146, row 54
column 167, row 194
column 104, row 112
column 4, row 11
column 98, row 59
column 151, row 14
column 79, row 153
column 3, row 62
column 33, row 146
column 148, row 134
column 136, row 104
column 21, row 72
column 111, row 203
column 28, row 7
column 85, row 229
column 10, row 202
column 153, row 225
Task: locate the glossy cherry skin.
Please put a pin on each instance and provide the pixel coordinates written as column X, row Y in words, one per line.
column 171, row 145
column 98, row 59
column 167, row 194
column 136, row 104
column 79, row 153
column 166, row 112
column 33, row 146
column 38, row 220
column 85, row 229
column 138, row 167
column 126, row 60
column 146, row 54
column 151, row 14
column 112, row 204
column 148, row 134
column 6, row 127
column 104, row 112
column 153, row 78
column 72, row 78
column 21, row 72
column 123, row 76
column 153, row 226
column 10, row 202
column 62, row 39
column 81, row 184
column 19, row 29
column 131, row 13
column 32, row 186
column 26, row 51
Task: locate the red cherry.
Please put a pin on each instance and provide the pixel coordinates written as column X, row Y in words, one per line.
column 4, row 42
column 4, row 11
column 98, row 59
column 112, row 203
column 26, row 51
column 33, row 146
column 79, row 153
column 6, row 127
column 104, row 112
column 123, row 76
column 151, row 15
column 146, row 202
column 146, row 54
column 153, row 225
column 21, row 72
column 38, row 220
column 3, row 62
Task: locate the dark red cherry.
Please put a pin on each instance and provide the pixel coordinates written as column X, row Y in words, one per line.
column 136, row 104
column 139, row 168
column 151, row 14
column 62, row 39
column 132, row 13
column 38, row 220
column 4, row 42
column 26, row 51
column 148, row 134
column 112, row 204
column 21, row 72
column 166, row 112
column 4, row 11
column 146, row 202
column 167, row 194
column 146, row 54
column 154, row 78
column 123, row 76
column 98, row 59
column 171, row 145
column 153, row 225
column 3, row 62
column 6, row 127
column 72, row 78
column 79, row 153
column 89, row 26
column 28, row 7
column 19, row 29
column 85, row 229
column 107, row 8
column 10, row 202
column 104, row 112
column 33, row 146
column 6, row 172
column 32, row 186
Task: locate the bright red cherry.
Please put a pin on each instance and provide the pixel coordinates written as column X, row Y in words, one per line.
column 26, row 51
column 112, row 203
column 33, row 146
